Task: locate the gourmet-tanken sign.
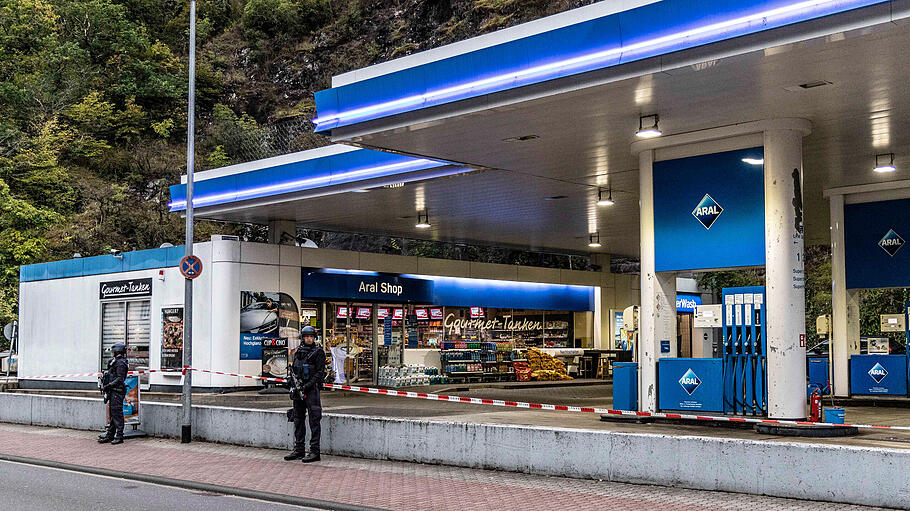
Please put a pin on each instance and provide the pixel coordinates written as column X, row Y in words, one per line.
column 126, row 288
column 500, row 323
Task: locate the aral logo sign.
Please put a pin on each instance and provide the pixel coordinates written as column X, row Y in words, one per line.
column 891, row 243
column 878, row 373
column 689, row 382
column 707, row 211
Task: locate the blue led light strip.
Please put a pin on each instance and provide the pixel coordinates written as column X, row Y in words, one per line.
column 570, row 66
column 311, row 182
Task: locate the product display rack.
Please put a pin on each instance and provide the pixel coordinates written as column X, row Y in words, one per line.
column 478, row 361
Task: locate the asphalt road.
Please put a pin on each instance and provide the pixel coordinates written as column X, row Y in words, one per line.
column 33, row 488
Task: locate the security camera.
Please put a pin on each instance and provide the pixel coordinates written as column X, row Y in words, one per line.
column 116, row 253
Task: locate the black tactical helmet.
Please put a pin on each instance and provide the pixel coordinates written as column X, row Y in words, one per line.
column 118, row 349
column 308, row 330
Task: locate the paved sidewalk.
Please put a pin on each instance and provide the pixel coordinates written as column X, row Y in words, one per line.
column 379, row 484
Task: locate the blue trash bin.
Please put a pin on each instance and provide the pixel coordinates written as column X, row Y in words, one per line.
column 834, row 415
column 625, row 386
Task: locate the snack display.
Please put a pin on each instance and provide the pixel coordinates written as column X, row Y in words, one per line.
column 408, row 376
column 544, row 367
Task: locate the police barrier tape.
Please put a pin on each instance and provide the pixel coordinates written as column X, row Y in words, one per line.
column 500, row 402
column 83, row 375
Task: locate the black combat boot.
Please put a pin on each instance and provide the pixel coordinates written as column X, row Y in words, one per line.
column 311, row 457
column 294, row 455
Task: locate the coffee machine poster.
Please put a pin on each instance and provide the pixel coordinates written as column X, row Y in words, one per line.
column 171, row 337
column 266, row 315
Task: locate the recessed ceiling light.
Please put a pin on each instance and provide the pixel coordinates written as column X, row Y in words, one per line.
column 556, row 197
column 423, row 220
column 523, row 138
column 605, row 201
column 754, row 161
column 648, row 126
column 594, row 240
column 808, row 85
column 884, row 163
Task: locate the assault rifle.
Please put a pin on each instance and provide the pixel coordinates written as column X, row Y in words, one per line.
column 296, row 390
column 103, row 380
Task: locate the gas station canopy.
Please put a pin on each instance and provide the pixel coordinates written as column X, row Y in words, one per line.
column 516, row 132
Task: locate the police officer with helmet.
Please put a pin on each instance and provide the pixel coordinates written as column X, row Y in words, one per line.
column 307, row 374
column 114, row 388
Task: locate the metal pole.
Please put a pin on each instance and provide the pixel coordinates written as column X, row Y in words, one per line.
column 375, row 346
column 186, row 430
column 12, row 345
column 347, row 345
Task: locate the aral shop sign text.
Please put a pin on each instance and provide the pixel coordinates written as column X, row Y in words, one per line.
column 503, row 323
column 126, row 288
column 380, row 287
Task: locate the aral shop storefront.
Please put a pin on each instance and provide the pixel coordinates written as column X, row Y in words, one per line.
column 445, row 319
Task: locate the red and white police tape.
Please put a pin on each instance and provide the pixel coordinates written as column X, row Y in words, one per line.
column 499, row 402
column 83, row 375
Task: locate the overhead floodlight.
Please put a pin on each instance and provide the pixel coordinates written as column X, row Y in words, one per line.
column 423, row 220
column 648, row 126
column 605, row 201
column 754, row 161
column 884, row 163
column 594, row 240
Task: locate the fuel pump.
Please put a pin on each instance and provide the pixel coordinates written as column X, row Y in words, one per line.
column 744, row 351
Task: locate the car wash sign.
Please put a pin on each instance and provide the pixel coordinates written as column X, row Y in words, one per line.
column 134, row 288
column 709, row 211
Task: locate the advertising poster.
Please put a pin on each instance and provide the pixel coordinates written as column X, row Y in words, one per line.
column 171, row 337
column 275, row 358
column 266, row 316
column 618, row 332
column 130, row 402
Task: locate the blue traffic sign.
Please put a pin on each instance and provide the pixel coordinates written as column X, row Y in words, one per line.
column 191, row 266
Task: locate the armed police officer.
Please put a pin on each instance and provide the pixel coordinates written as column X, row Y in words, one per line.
column 306, row 375
column 113, row 385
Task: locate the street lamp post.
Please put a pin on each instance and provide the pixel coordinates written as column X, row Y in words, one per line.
column 186, row 430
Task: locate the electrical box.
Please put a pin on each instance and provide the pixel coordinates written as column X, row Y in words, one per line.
column 708, row 316
column 823, row 325
column 892, row 323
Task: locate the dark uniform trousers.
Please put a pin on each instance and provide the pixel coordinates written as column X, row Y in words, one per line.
column 115, row 428
column 311, row 407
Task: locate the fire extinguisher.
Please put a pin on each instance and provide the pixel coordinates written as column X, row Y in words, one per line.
column 815, row 405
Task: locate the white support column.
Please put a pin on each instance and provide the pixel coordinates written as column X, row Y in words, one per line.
column 785, row 277
column 282, row 232
column 657, row 320
column 845, row 305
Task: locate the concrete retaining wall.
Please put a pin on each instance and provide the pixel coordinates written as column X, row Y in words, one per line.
column 856, row 475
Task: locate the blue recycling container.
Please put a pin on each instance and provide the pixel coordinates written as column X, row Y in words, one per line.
column 834, row 415
column 818, row 376
column 625, row 386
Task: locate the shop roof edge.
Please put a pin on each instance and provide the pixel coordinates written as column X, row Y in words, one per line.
column 149, row 259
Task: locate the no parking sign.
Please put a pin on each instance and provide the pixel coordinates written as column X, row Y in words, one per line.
column 191, row 266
